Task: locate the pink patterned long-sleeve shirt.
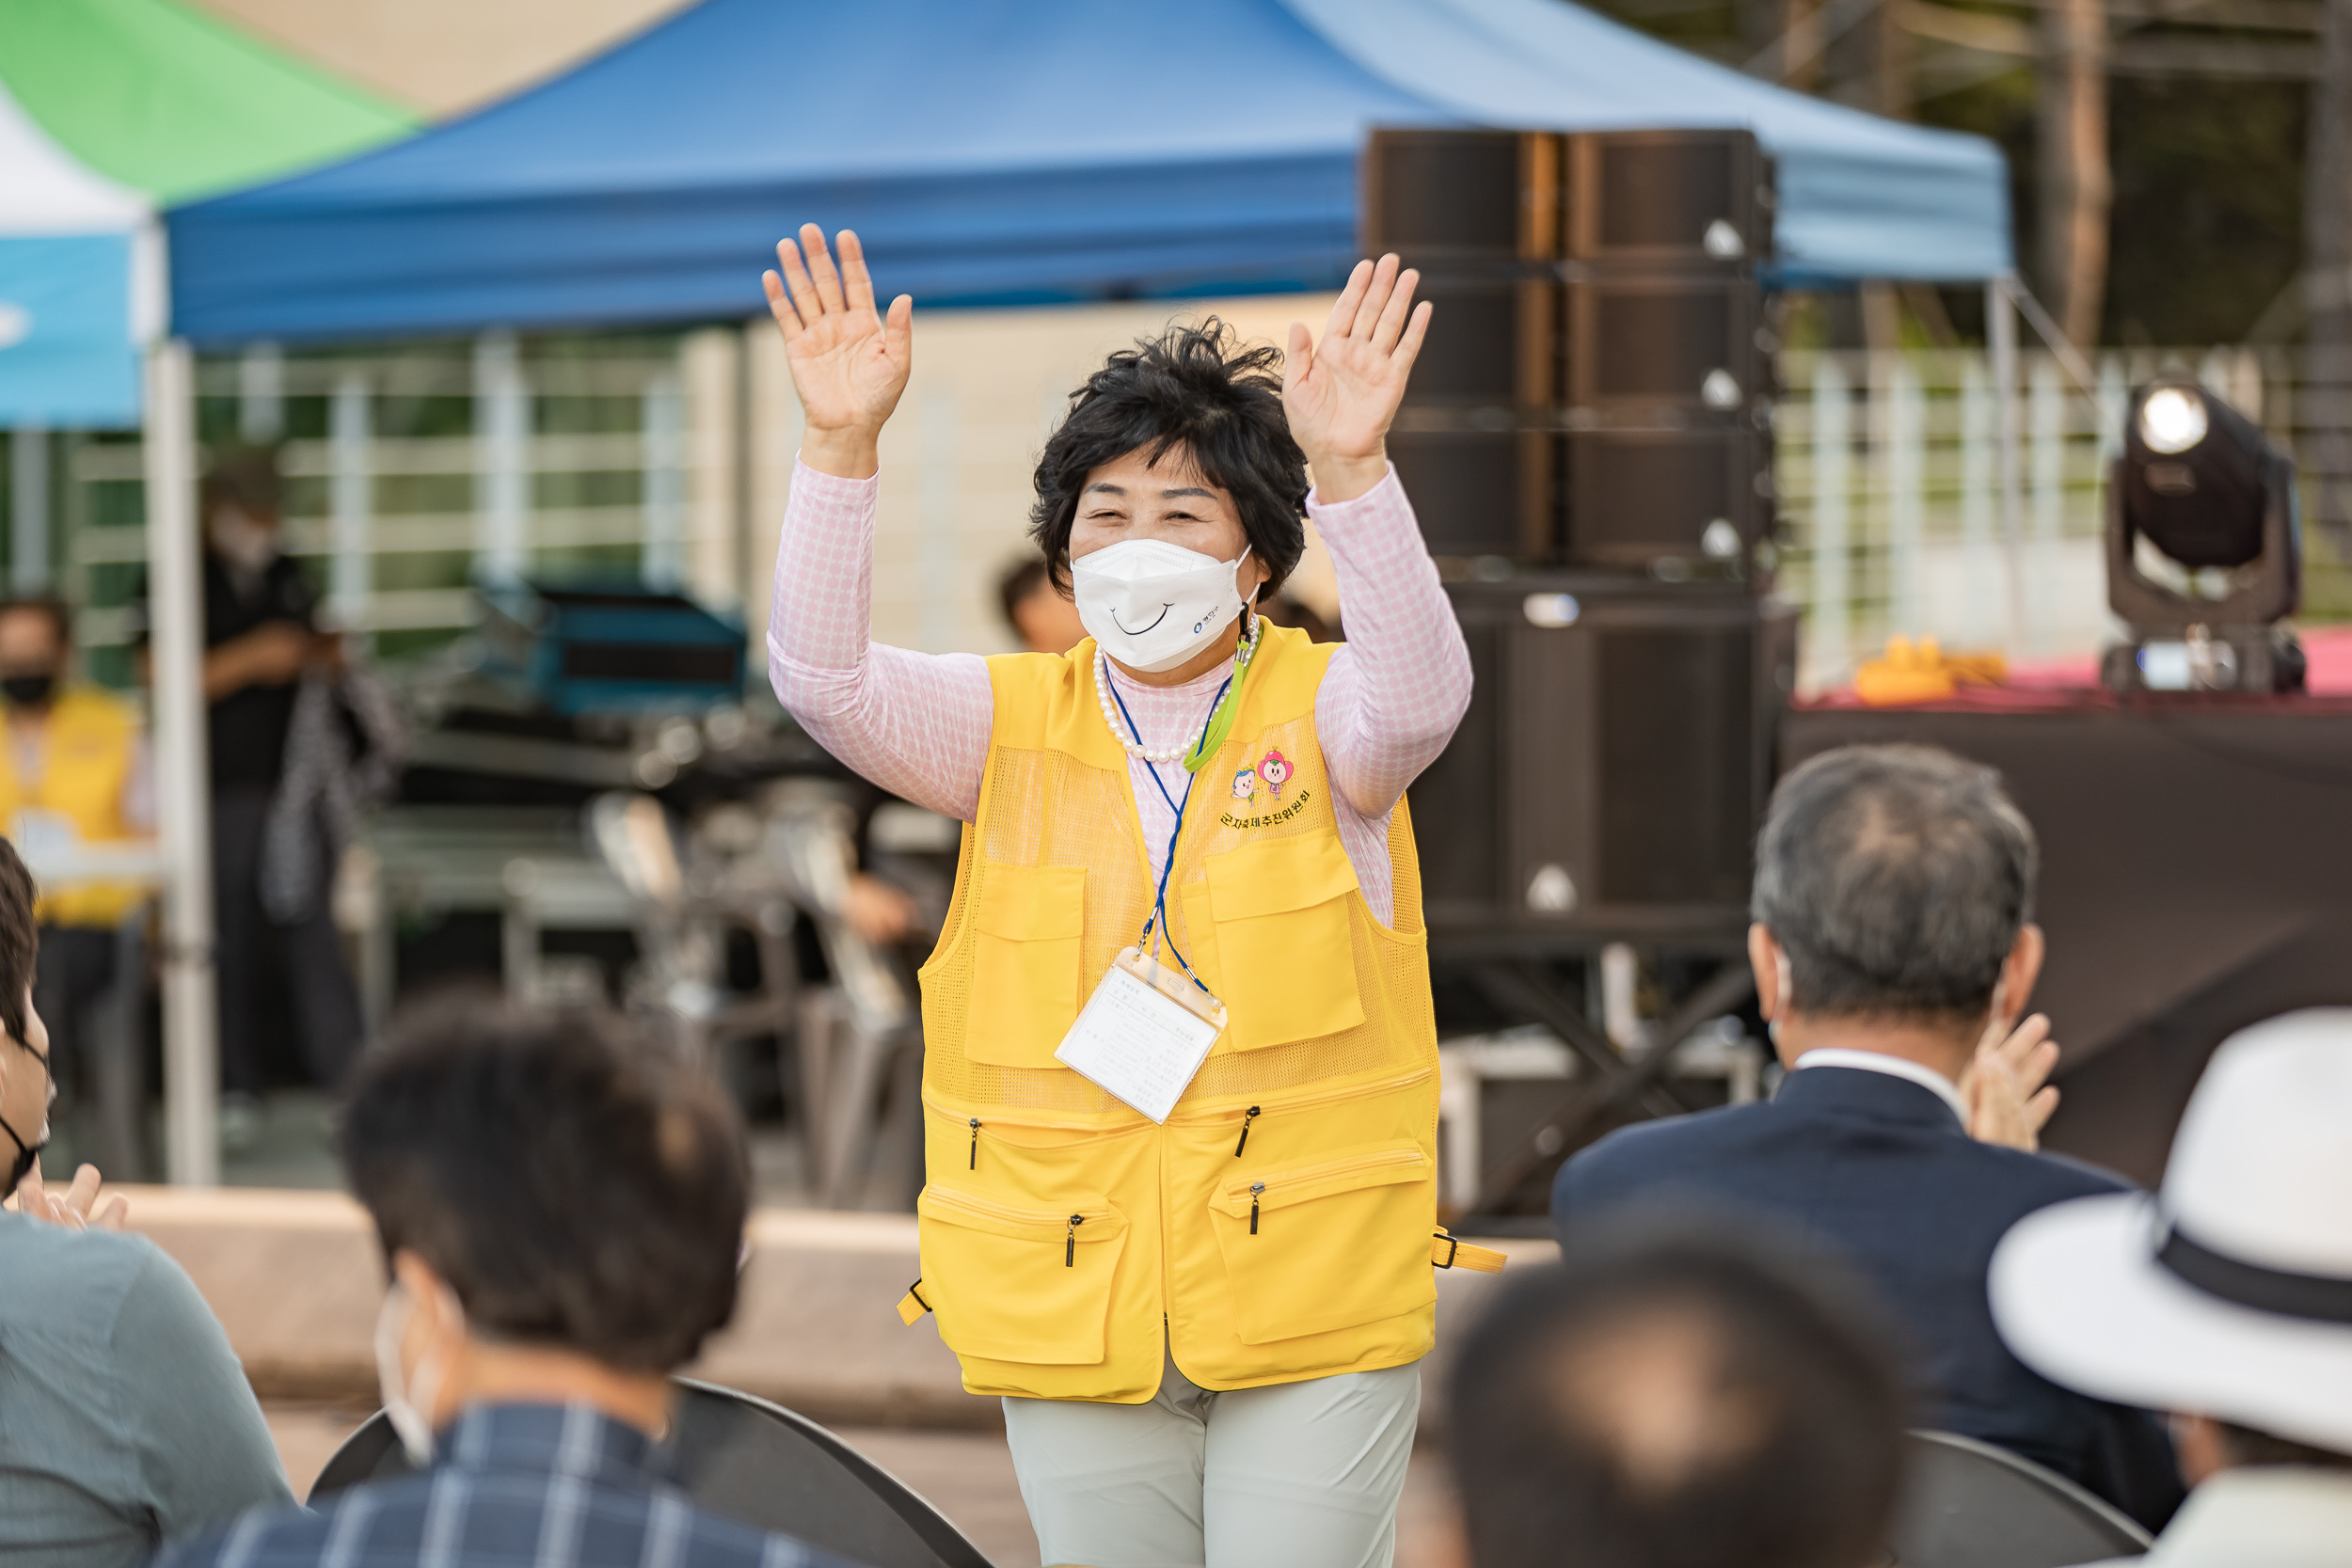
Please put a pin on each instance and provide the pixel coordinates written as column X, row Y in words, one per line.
column 918, row 724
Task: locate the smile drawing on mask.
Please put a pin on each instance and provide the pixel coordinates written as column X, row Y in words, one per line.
column 1153, row 605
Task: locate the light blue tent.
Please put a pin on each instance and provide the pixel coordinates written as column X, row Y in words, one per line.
column 1010, row 151
column 79, row 284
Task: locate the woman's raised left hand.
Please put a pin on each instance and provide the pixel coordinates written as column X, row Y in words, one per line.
column 1342, row 394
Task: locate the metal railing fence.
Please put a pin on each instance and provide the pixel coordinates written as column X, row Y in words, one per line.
column 413, row 472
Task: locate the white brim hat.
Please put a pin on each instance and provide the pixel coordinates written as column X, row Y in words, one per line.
column 2230, row 1294
column 2079, row 1296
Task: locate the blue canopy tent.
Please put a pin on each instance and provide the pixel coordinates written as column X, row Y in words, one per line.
column 1003, row 152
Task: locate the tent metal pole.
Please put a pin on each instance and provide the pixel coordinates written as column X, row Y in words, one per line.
column 743, row 435
column 2000, row 318
column 28, row 510
column 183, row 799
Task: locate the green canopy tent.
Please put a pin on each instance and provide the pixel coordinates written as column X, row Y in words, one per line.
column 167, row 100
column 157, row 103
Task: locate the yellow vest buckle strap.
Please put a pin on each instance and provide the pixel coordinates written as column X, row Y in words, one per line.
column 912, row 1306
column 1447, row 1250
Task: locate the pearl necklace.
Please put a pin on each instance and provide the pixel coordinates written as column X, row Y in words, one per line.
column 1163, row 754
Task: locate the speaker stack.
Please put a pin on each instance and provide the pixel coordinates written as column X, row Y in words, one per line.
column 1601, row 389
column 1587, row 442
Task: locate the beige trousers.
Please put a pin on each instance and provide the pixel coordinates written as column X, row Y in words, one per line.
column 1298, row 1475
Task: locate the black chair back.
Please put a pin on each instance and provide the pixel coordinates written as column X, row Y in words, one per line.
column 1968, row 1504
column 755, row 1463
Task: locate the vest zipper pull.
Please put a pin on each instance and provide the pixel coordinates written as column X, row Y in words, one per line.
column 1257, row 1191
column 975, row 1143
column 1070, row 1243
column 1244, row 1132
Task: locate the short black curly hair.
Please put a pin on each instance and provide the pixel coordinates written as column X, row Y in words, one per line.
column 1200, row 388
column 575, row 1184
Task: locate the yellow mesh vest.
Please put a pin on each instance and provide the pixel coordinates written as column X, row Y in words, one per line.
column 88, row 742
column 1060, row 1228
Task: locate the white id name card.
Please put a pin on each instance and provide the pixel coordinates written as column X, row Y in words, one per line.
column 1143, row 1034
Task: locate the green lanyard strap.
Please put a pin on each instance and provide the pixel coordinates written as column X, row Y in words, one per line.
column 1221, row 721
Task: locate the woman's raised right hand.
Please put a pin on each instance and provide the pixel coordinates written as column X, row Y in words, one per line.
column 848, row 362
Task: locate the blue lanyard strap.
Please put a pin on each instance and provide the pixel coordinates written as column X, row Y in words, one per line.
column 1158, row 919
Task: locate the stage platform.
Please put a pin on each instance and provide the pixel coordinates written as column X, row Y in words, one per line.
column 295, row 1279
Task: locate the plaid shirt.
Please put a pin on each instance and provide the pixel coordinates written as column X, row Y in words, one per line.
column 553, row 1485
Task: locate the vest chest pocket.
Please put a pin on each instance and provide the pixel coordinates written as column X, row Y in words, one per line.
column 1284, row 956
column 1028, row 925
column 1327, row 1244
column 1019, row 1284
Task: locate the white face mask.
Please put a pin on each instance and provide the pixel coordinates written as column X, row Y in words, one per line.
column 244, row 542
column 410, row 1416
column 1153, row 605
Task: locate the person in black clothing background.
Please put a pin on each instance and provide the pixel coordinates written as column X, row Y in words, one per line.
column 260, row 633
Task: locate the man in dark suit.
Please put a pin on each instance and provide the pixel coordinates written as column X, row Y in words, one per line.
column 1894, row 948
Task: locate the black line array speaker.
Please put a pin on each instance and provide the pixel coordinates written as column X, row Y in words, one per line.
column 1598, row 388
column 1614, row 764
column 1667, row 197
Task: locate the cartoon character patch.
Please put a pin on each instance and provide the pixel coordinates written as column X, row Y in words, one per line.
column 1275, row 769
column 1246, row 785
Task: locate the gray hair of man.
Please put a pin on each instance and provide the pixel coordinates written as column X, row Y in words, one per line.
column 1894, row 887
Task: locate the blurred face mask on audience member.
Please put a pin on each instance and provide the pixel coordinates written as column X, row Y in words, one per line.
column 248, row 544
column 26, row 1092
column 408, row 1402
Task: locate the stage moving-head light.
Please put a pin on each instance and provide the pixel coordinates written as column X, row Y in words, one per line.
column 2202, row 488
column 2172, row 419
column 2193, row 476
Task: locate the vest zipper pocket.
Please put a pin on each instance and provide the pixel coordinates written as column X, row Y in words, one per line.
column 1186, row 1117
column 991, row 1273
column 1326, row 1172
column 1006, row 1220
column 1354, row 1227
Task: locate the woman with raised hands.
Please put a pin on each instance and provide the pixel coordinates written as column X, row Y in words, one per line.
column 1180, row 1078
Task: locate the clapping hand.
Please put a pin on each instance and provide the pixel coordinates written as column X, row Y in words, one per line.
column 2007, row 1090
column 1341, row 395
column 848, row 362
column 75, row 1209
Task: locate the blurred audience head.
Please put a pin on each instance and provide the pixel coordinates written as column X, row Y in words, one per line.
column 1203, row 407
column 2227, row 1296
column 1894, row 886
column 1040, row 613
column 1672, row 1397
column 35, row 638
column 561, row 1204
column 26, row 1088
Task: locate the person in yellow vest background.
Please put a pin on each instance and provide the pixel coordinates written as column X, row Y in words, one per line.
column 1179, row 1076
column 77, row 768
